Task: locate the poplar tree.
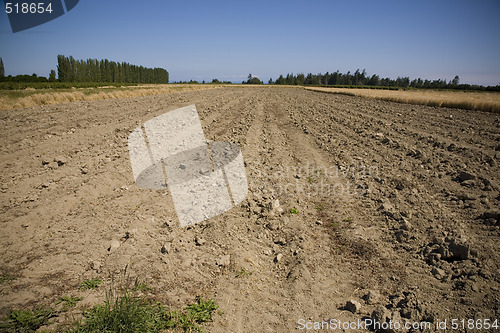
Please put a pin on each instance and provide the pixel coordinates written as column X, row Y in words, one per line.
column 2, row 69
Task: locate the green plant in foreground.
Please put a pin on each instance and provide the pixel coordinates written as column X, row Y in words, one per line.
column 294, row 211
column 68, row 301
column 26, row 320
column 90, row 284
column 6, row 278
column 194, row 314
column 141, row 286
column 243, row 273
column 347, row 219
column 136, row 314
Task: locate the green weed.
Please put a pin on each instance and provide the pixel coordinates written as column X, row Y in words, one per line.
column 141, row 286
column 243, row 273
column 26, row 320
column 6, row 278
column 90, row 284
column 136, row 314
column 294, row 211
column 68, row 302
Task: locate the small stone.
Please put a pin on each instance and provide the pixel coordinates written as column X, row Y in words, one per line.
column 278, row 258
column 459, row 250
column 381, row 314
column 166, row 248
column 388, row 209
column 406, row 225
column 464, row 175
column 372, row 297
column 490, row 221
column 114, row 244
column 280, row 241
column 273, row 225
column 438, row 273
column 84, row 170
column 353, row 306
column 318, row 222
column 401, row 235
column 434, row 258
column 491, row 215
column 276, row 204
column 468, row 183
column 199, row 241
column 95, row 265
column 60, row 160
column 396, row 318
column 224, row 261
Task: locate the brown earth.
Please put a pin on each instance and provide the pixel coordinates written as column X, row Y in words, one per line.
column 398, row 206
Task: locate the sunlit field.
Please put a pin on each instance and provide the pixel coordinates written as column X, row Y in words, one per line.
column 483, row 101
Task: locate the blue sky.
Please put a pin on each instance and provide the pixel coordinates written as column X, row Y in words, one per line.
column 227, row 40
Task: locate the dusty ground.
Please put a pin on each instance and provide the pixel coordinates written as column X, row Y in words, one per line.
column 397, row 210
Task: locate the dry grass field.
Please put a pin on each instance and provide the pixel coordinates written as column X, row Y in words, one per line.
column 12, row 99
column 483, row 101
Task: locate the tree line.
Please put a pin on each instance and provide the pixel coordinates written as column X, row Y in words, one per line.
column 70, row 70
column 360, row 78
column 93, row 70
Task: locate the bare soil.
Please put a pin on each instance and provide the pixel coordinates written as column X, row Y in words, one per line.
column 398, row 206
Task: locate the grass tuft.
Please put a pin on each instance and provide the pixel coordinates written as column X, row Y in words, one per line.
column 26, row 320
column 129, row 313
column 68, row 301
column 243, row 273
column 141, row 286
column 90, row 284
column 6, row 278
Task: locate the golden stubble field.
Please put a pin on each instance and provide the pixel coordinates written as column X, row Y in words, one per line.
column 483, row 101
column 12, row 99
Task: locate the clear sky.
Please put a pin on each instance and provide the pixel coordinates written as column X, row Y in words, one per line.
column 202, row 40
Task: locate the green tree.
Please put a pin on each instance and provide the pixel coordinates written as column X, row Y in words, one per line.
column 2, row 69
column 52, row 76
column 300, row 79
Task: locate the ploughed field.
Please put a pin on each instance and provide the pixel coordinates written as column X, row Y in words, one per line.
column 392, row 206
